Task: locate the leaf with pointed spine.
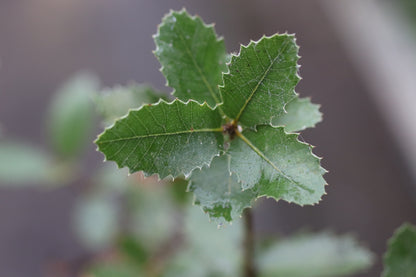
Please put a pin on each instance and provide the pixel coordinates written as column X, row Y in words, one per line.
column 261, row 80
column 165, row 138
column 300, row 114
column 192, row 57
column 126, row 97
column 218, row 192
column 400, row 258
column 277, row 165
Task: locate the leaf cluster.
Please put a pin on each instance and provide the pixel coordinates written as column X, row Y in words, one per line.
column 230, row 128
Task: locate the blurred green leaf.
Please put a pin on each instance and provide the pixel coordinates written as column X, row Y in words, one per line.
column 115, row 269
column 23, row 164
column 112, row 103
column 314, row 255
column 70, row 117
column 96, row 220
column 400, row 258
column 152, row 214
column 133, row 249
column 208, row 251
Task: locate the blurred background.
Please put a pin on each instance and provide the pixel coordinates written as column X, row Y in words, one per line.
column 358, row 61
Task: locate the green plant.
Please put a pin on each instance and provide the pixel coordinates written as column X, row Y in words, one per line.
column 230, row 129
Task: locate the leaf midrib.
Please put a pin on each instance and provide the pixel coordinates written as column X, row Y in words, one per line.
column 207, row 84
column 204, row 130
column 264, row 157
column 286, row 43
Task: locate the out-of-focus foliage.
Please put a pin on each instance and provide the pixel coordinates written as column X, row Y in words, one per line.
column 314, row 255
column 70, row 118
column 400, row 258
column 113, row 103
column 22, row 163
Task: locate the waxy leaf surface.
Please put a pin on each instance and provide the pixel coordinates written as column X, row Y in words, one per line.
column 300, row 114
column 278, row 165
column 192, row 57
column 400, row 258
column 218, row 192
column 261, row 80
column 164, row 138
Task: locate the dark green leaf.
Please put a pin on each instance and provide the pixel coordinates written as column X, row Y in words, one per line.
column 192, row 57
column 165, row 138
column 400, row 258
column 261, row 80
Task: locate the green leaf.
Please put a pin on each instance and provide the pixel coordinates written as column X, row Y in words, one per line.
column 218, row 192
column 133, row 250
column 152, row 219
column 300, row 114
column 278, row 165
column 113, row 103
column 314, row 255
column 23, row 164
column 192, row 57
column 165, row 138
column 115, row 269
column 70, row 118
column 96, row 220
column 400, row 258
column 261, row 80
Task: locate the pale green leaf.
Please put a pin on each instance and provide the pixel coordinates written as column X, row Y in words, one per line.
column 261, row 80
column 314, row 255
column 192, row 57
column 70, row 118
column 208, row 251
column 400, row 258
column 218, row 191
column 300, row 114
column 164, row 138
column 112, row 103
column 96, row 220
column 152, row 217
column 22, row 164
column 277, row 165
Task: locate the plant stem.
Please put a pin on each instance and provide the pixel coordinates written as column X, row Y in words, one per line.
column 248, row 246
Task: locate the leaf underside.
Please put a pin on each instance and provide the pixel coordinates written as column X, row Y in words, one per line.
column 164, row 138
column 218, row 192
column 261, row 80
column 192, row 57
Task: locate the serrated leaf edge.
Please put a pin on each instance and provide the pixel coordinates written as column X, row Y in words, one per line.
column 186, row 175
column 210, row 26
column 250, row 44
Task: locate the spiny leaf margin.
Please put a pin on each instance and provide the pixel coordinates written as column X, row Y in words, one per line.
column 187, row 152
